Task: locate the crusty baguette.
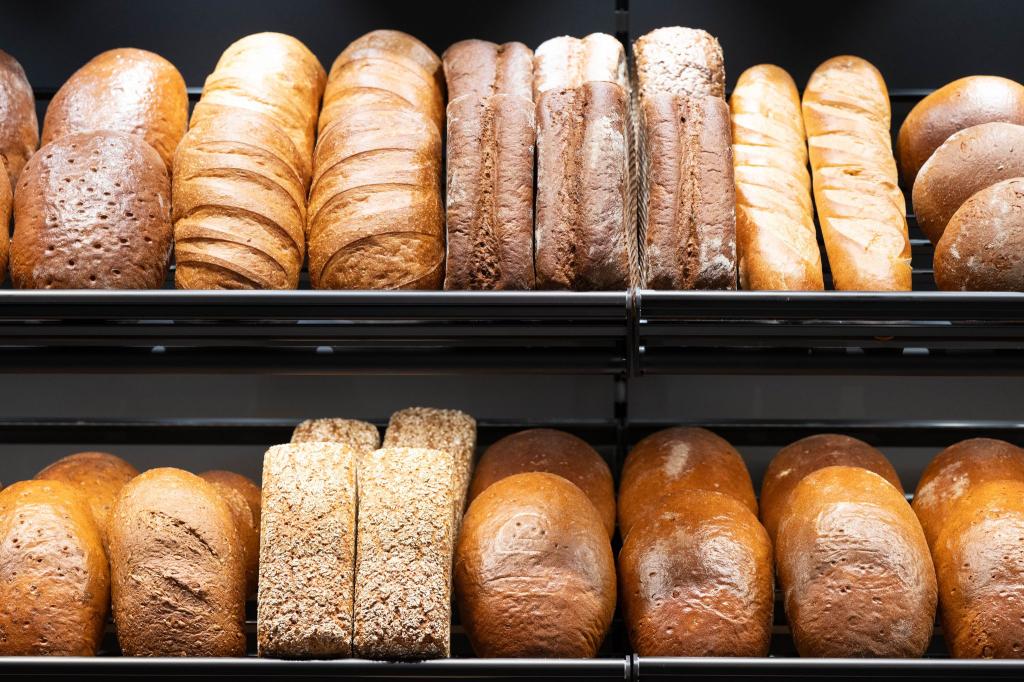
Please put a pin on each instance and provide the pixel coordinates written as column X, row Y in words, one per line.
column 776, row 240
column 860, row 207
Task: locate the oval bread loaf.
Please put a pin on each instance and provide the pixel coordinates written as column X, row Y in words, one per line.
column 243, row 498
column 19, row 127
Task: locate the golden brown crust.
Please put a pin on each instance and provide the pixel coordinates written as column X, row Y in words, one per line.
column 19, row 127
column 854, row 568
column 554, row 452
column 676, row 459
column 534, row 572
column 54, row 578
column 697, row 579
column 396, row 46
column 126, row 90
column 238, row 491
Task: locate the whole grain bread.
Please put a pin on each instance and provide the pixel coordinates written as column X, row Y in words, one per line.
column 361, row 436
column 19, row 127
column 679, row 61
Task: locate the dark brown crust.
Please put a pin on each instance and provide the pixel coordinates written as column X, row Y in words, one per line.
column 92, row 211
column 19, row 127
column 481, row 68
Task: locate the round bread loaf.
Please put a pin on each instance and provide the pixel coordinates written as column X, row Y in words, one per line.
column 177, row 572
column 54, row 577
column 127, row 91
column 676, row 459
column 555, row 452
column 957, row 469
column 961, row 104
column 6, row 204
column 534, row 572
column 19, row 127
column 697, row 579
column 98, row 476
column 982, row 248
column 969, row 161
column 979, row 560
column 243, row 496
column 92, row 211
column 796, row 460
column 853, row 563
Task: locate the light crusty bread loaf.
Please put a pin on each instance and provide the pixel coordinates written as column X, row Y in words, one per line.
column 177, row 573
column 566, row 62
column 697, row 579
column 127, row 91
column 966, row 163
column 92, row 211
column 679, row 61
column 955, row 471
column 688, row 196
column 961, row 104
column 307, row 551
column 534, row 571
column 54, row 577
column 481, row 68
column 247, row 523
column 398, row 47
column 979, row 560
column 677, row 459
column 982, row 247
column 555, row 452
column 98, row 476
column 437, row 429
column 853, row 564
column 404, row 547
column 359, row 435
column 776, row 240
column 800, row 458
column 19, row 127
column 860, row 207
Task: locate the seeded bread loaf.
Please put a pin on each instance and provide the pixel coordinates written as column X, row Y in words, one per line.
column 481, row 68
column 19, row 127
column 237, row 493
column 307, row 551
column 358, row 435
column 679, row 61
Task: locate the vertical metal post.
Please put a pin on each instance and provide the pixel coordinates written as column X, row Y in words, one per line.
column 622, row 22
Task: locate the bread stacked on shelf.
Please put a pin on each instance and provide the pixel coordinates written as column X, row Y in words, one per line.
column 585, row 234
column 687, row 194
column 696, row 564
column 244, row 498
column 242, row 173
column 490, row 151
column 376, row 218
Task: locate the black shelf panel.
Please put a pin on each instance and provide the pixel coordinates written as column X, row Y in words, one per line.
column 823, row 668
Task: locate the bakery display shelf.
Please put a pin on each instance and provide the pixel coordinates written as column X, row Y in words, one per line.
column 822, row 668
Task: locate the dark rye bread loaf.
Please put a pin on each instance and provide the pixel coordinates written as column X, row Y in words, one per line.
column 92, row 211
column 19, row 127
column 54, row 578
column 690, row 201
column 585, row 225
column 482, row 68
column 177, row 572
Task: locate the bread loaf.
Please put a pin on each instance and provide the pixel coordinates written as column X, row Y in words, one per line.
column 679, row 459
column 776, row 240
column 98, row 476
column 6, row 204
column 982, row 247
column 697, row 579
column 404, row 552
column 238, row 491
column 19, row 127
column 679, row 61
column 177, row 573
column 481, row 68
column 534, row 572
column 961, row 104
column 54, row 579
column 689, row 195
column 360, row 436
column 956, row 471
column 554, row 452
column 565, row 62
column 967, row 162
column 307, row 551
column 860, row 206
column 979, row 560
column 795, row 461
column 129, row 91
column 92, row 211
column 853, row 564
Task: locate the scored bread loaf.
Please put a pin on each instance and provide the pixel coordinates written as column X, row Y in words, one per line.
column 853, row 564
column 482, row 68
column 55, row 587
column 307, row 551
column 359, row 435
column 776, row 240
column 404, row 550
column 697, row 579
column 568, row 62
column 679, row 61
column 554, row 452
column 126, row 90
column 92, row 211
column 177, row 572
column 676, row 459
column 860, row 207
column 246, row 518
column 19, row 127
